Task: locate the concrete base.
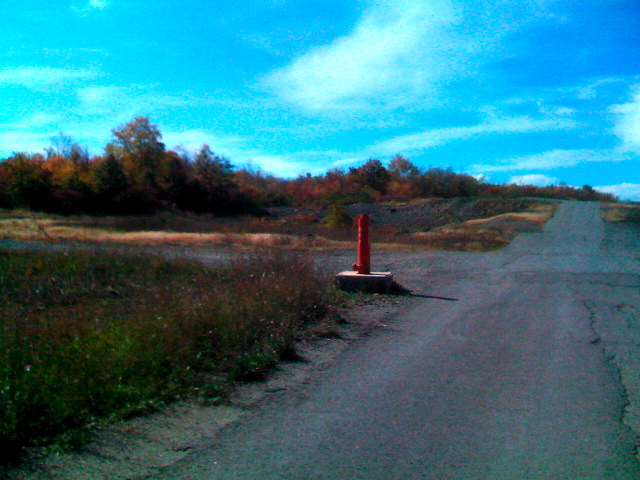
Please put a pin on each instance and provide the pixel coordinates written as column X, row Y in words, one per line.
column 375, row 282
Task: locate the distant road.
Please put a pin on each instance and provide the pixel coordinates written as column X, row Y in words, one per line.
column 507, row 382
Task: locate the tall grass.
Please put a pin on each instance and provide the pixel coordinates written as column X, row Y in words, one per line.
column 86, row 336
column 621, row 212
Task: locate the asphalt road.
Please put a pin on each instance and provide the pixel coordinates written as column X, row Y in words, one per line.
column 497, row 371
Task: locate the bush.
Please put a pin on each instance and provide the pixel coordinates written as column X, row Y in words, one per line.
column 338, row 217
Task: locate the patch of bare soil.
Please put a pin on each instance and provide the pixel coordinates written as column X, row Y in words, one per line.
column 416, row 215
column 139, row 447
column 424, row 215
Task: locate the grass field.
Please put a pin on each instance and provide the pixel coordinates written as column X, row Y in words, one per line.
column 85, row 337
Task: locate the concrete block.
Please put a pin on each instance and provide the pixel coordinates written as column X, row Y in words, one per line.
column 374, row 282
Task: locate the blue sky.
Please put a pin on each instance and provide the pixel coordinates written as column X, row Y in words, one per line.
column 533, row 91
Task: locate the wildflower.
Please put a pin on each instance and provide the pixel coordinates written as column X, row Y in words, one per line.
column 27, row 368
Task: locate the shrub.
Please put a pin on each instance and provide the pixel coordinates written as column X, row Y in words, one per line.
column 338, row 217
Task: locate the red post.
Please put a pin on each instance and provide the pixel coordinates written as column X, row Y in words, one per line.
column 364, row 249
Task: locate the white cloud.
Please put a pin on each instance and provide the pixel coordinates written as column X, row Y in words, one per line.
column 84, row 7
column 281, row 165
column 102, row 108
column 32, row 121
column 110, row 98
column 481, row 177
column 565, row 111
column 401, row 53
column 101, row 99
column 396, row 48
column 237, row 149
column 591, row 91
column 43, row 78
column 624, row 191
column 193, row 139
column 627, row 125
column 493, row 126
column 22, row 141
column 98, row 109
column 536, row 179
column 30, row 133
column 99, row 4
column 551, row 160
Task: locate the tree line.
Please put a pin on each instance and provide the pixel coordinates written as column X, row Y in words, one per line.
column 137, row 174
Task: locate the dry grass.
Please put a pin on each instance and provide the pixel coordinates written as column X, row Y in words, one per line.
column 621, row 212
column 249, row 233
column 86, row 336
column 487, row 233
column 52, row 230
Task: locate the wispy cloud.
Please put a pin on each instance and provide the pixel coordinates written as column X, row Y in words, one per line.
column 493, row 126
column 551, row 160
column 396, row 48
column 44, row 78
column 93, row 112
column 83, row 7
column 627, row 122
column 417, row 143
column 114, row 104
column 590, row 91
column 193, row 139
column 99, row 4
column 22, row 141
column 236, row 148
column 30, row 133
column 624, row 191
column 537, row 179
column 33, row 121
column 102, row 99
column 401, row 52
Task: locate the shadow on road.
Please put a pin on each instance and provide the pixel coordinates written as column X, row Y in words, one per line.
column 434, row 297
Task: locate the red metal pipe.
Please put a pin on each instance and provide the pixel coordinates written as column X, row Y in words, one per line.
column 364, row 249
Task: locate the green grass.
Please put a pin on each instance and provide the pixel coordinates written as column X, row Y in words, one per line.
column 84, row 337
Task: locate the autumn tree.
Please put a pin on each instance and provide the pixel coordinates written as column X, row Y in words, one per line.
column 211, row 188
column 175, row 178
column 402, row 169
column 110, row 185
column 404, row 178
column 261, row 188
column 64, row 146
column 68, row 165
column 372, row 175
column 26, row 183
column 137, row 146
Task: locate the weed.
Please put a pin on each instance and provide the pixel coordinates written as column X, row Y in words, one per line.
column 84, row 337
